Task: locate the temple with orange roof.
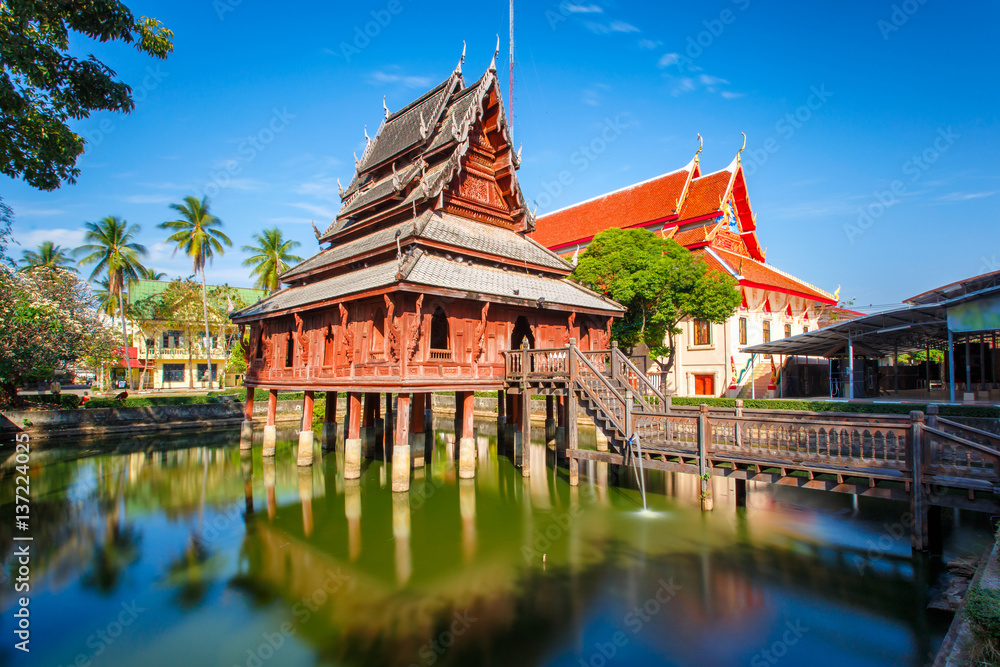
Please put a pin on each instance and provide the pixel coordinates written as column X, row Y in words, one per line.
column 710, row 214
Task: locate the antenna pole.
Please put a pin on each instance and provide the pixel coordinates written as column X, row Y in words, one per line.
column 510, row 77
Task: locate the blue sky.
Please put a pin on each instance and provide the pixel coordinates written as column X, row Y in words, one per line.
column 873, row 126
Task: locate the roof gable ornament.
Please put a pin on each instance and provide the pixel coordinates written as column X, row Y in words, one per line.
column 458, row 67
column 496, row 52
column 397, row 182
column 738, row 159
column 423, row 126
column 701, row 144
column 385, row 108
column 356, row 163
column 340, row 188
column 517, row 157
column 368, row 139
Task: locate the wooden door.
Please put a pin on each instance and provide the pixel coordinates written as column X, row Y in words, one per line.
column 704, row 385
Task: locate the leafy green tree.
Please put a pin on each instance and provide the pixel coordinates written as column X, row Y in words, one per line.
column 49, row 321
column 43, row 88
column 110, row 244
column 49, row 256
column 197, row 234
column 270, row 257
column 660, row 283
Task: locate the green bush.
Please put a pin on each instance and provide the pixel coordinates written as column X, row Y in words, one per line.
column 982, row 608
column 987, row 411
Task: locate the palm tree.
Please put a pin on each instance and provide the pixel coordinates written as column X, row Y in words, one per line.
column 48, row 256
column 270, row 258
column 151, row 274
column 197, row 233
column 110, row 243
column 107, row 300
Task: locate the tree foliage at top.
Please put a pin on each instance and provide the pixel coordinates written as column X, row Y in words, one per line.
column 48, row 256
column 660, row 283
column 43, row 87
column 270, row 257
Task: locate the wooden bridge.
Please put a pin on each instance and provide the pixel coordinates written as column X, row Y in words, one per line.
column 926, row 460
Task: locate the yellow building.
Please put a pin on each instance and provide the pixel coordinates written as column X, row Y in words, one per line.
column 168, row 333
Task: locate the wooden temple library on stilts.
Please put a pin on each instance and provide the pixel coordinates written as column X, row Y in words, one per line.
column 428, row 277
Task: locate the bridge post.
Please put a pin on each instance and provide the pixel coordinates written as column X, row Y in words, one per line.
column 270, row 430
column 305, row 453
column 352, row 446
column 918, row 495
column 571, row 425
column 246, row 428
column 401, row 447
column 614, row 362
column 737, row 431
column 704, row 468
column 932, row 415
column 330, row 421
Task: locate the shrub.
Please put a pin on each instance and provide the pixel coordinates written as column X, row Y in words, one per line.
column 982, row 608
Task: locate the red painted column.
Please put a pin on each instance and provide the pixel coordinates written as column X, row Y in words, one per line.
column 401, row 460
column 354, row 416
column 246, row 428
column 305, row 453
column 272, row 406
column 352, row 446
column 270, row 431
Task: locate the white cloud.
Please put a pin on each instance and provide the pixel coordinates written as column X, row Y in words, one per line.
column 966, row 196
column 28, row 212
column 649, row 44
column 613, row 27
column 408, row 81
column 581, row 9
column 67, row 238
column 290, row 220
column 668, row 59
column 710, row 80
column 730, row 95
column 319, row 211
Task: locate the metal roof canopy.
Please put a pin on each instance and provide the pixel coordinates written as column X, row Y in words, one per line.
column 905, row 329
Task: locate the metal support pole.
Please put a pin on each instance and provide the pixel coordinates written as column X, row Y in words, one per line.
column 951, row 364
column 753, row 376
column 850, row 369
column 895, row 369
column 927, row 369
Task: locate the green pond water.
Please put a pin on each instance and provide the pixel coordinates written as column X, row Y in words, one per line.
column 176, row 550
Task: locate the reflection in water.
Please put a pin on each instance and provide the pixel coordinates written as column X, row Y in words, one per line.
column 516, row 570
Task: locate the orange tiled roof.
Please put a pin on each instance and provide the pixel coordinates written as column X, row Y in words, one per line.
column 757, row 274
column 645, row 202
column 705, row 195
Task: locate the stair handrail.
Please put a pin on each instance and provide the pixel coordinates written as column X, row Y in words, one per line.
column 616, row 353
column 607, row 384
column 964, row 428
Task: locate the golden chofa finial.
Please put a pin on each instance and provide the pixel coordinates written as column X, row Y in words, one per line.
column 701, row 144
column 741, row 147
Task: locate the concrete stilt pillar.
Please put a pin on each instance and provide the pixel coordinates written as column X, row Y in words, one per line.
column 525, row 431
column 418, row 439
column 269, row 476
column 550, row 419
column 352, row 445
column 602, row 441
column 270, row 430
column 401, row 536
column 305, row 453
column 246, row 428
column 330, row 421
column 467, row 442
column 401, row 446
column 352, row 511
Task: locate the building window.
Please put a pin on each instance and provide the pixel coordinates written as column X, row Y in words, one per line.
column 702, row 332
column 203, row 372
column 289, row 350
column 743, row 331
column 377, row 350
column 767, row 331
column 173, row 372
column 788, row 331
column 173, row 340
column 440, row 340
column 328, row 347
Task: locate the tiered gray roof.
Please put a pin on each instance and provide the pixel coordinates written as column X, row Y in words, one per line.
column 476, row 281
column 441, row 228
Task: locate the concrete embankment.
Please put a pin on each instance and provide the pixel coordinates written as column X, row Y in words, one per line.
column 42, row 424
column 958, row 643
